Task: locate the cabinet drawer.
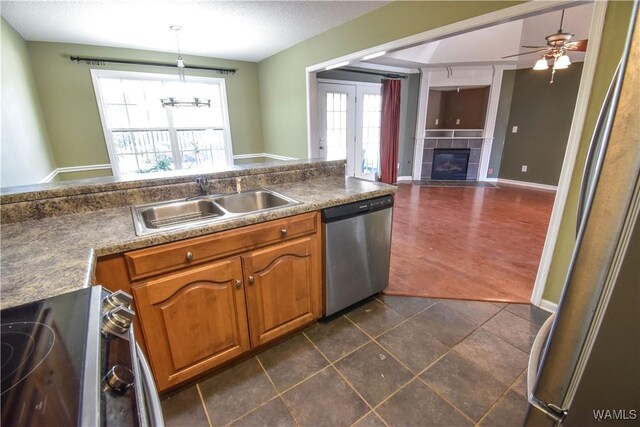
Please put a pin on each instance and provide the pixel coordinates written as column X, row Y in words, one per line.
column 164, row 258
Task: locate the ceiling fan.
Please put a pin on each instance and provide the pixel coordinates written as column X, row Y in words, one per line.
column 558, row 44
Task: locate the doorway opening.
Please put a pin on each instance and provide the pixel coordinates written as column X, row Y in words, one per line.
column 486, row 169
column 349, row 125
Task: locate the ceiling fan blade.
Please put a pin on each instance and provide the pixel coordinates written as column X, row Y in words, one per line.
column 579, row 45
column 536, row 47
column 523, row 53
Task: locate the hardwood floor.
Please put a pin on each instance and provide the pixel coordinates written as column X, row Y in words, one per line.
column 468, row 243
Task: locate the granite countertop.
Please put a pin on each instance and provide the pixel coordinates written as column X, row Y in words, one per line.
column 51, row 256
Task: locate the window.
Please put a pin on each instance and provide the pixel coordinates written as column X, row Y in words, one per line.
column 143, row 136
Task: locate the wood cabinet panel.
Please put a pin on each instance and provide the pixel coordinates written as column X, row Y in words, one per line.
column 144, row 263
column 193, row 320
column 283, row 288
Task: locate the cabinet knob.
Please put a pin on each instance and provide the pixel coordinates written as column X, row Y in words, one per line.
column 189, row 256
column 283, row 231
column 238, row 283
column 251, row 280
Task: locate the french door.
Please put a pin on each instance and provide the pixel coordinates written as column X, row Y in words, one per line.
column 350, row 126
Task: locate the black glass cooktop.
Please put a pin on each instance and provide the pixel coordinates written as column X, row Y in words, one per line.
column 43, row 346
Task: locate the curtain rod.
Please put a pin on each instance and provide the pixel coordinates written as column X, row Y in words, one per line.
column 102, row 61
column 374, row 73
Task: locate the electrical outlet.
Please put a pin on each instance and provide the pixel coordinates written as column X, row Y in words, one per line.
column 514, row 129
column 457, row 121
column 524, row 168
column 490, row 171
column 437, row 121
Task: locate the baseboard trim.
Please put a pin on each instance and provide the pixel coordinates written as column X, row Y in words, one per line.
column 267, row 155
column 528, row 184
column 70, row 169
column 407, row 178
column 49, row 177
column 549, row 306
column 492, row 180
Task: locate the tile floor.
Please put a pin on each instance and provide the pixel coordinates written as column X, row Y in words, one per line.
column 396, row 361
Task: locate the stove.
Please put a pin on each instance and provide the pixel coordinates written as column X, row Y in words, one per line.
column 73, row 360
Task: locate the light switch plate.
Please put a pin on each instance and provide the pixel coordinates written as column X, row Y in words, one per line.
column 514, row 129
column 524, row 168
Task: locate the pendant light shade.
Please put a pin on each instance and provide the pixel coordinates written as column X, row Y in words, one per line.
column 562, row 62
column 541, row 64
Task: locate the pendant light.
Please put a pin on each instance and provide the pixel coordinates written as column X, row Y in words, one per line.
column 562, row 62
column 541, row 64
column 185, row 101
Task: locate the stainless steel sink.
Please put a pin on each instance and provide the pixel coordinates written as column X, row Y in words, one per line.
column 176, row 214
column 252, row 201
column 180, row 212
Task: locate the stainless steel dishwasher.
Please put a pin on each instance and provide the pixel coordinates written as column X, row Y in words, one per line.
column 357, row 245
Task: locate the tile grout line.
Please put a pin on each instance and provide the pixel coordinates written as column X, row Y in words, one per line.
column 446, row 400
column 415, row 376
column 331, row 364
column 372, row 409
column 204, row 406
column 493, row 405
column 278, row 394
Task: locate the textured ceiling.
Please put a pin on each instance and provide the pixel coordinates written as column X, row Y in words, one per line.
column 243, row 30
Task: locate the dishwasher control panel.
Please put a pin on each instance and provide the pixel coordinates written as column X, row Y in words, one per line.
column 356, row 208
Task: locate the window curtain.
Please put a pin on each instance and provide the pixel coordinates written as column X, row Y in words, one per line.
column 389, row 131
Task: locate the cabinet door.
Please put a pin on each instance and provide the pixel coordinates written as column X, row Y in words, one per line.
column 193, row 320
column 283, row 288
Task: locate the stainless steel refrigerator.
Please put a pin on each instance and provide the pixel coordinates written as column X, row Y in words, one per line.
column 584, row 367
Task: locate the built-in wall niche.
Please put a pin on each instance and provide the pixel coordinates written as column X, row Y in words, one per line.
column 457, row 107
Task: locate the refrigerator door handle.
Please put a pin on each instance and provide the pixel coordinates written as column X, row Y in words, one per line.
column 551, row 410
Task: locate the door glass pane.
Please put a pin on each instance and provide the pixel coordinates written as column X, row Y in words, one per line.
column 336, row 125
column 371, row 109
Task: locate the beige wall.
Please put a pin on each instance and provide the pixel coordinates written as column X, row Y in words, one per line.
column 71, row 112
column 283, row 78
column 614, row 34
column 25, row 153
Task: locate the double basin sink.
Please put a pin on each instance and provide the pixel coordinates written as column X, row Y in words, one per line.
column 176, row 214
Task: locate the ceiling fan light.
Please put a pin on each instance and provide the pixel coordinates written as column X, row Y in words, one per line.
column 562, row 62
column 541, row 64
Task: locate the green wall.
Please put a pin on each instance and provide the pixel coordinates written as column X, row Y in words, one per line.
column 502, row 121
column 283, row 76
column 71, row 112
column 543, row 112
column 611, row 46
column 25, row 151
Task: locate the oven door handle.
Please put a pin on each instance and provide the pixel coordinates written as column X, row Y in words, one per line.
column 152, row 400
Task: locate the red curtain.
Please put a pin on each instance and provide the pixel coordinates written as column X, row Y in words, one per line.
column 389, row 130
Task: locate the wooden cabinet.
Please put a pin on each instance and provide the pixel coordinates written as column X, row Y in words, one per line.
column 193, row 320
column 281, row 289
column 237, row 290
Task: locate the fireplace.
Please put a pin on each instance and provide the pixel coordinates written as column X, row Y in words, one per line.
column 450, row 163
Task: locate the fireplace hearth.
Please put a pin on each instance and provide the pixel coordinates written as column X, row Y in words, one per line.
column 450, row 163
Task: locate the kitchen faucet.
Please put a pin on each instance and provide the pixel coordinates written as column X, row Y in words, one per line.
column 202, row 185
